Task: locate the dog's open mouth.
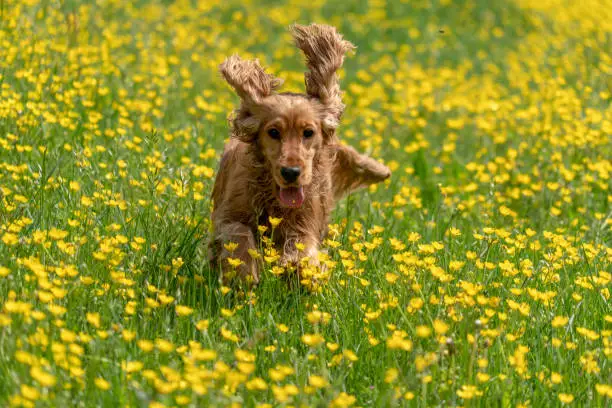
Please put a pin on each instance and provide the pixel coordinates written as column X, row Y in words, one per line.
column 291, row 196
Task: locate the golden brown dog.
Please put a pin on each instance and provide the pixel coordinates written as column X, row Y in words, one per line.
column 283, row 159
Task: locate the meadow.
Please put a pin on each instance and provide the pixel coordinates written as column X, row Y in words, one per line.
column 478, row 275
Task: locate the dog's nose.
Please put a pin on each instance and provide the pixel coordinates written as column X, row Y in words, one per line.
column 290, row 174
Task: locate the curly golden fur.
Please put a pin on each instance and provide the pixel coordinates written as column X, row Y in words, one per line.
column 283, row 159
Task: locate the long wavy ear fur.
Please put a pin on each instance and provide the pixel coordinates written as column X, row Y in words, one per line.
column 252, row 84
column 324, row 49
column 248, row 78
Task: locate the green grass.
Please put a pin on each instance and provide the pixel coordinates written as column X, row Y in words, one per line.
column 486, row 285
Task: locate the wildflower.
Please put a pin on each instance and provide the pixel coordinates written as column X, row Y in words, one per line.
column 102, row 384
column 182, row 310
column 343, row 400
column 29, row 393
column 164, row 346
column 128, row 335
column 468, row 392
column 256, row 384
column 317, row 381
column 391, row 375
column 202, row 324
column 4, row 272
column 350, row 355
column 230, row 246
column 559, row 321
column 274, row 221
column 440, row 327
column 228, row 335
column 317, row 316
column 482, row 377
column 423, row 331
column 589, row 364
column 604, row 389
column 42, row 377
column 145, row 345
column 398, row 341
column 312, row 340
column 234, row 262
column 518, row 360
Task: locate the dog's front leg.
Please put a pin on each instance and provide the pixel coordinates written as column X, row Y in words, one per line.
column 233, row 242
column 300, row 254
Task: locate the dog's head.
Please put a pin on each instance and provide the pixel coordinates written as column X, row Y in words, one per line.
column 290, row 129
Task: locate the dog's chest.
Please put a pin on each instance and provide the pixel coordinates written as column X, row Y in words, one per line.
column 305, row 223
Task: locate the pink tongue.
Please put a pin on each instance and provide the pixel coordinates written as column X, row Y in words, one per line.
column 292, row 196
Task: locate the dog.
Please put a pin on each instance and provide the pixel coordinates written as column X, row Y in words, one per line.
column 284, row 159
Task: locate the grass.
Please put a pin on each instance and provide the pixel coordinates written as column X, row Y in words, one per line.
column 479, row 275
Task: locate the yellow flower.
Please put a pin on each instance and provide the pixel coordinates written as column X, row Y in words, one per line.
column 317, row 381
column 164, row 346
column 559, row 321
column 228, row 335
column 566, row 398
column 317, row 316
column 350, row 355
column 440, row 327
column 131, row 366
column 398, row 341
column 604, row 389
column 128, row 335
column 42, row 377
column 29, row 393
column 312, row 340
column 244, row 356
column 454, row 232
column 102, row 384
column 256, row 384
column 57, row 234
column 343, row 400
column 234, row 262
column 145, row 345
column 423, row 331
column 246, row 368
column 469, row 392
column 274, row 221
column 230, row 246
column 94, row 319
column 332, row 346
column 482, row 377
column 227, row 312
column 182, row 310
column 202, row 324
column 391, row 375
column 10, row 239
column 556, row 378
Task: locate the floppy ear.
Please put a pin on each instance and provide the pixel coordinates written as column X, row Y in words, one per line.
column 324, row 49
column 252, row 84
column 352, row 170
column 248, row 78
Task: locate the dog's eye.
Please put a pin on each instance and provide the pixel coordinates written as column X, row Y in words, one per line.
column 274, row 133
column 308, row 133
